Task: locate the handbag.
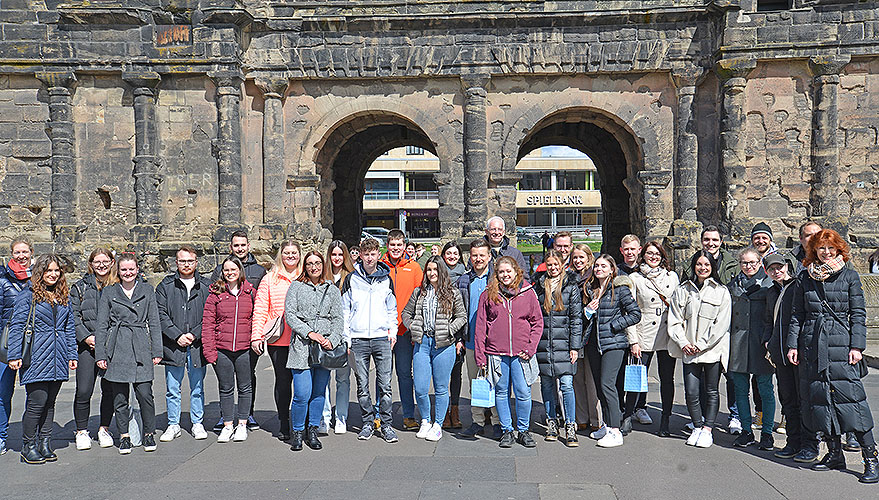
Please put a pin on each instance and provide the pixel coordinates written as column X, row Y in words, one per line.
column 332, row 359
column 27, row 340
column 636, row 377
column 481, row 392
column 273, row 330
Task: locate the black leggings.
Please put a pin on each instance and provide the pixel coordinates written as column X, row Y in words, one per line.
column 455, row 382
column 697, row 375
column 143, row 392
column 86, row 376
column 283, row 385
column 638, row 400
column 606, row 369
column 39, row 409
column 233, row 368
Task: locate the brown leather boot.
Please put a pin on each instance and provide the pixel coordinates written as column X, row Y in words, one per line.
column 453, row 415
column 447, row 423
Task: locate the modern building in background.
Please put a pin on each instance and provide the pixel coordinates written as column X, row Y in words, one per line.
column 559, row 190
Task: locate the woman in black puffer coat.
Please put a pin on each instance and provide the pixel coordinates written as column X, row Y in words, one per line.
column 562, row 304
column 826, row 338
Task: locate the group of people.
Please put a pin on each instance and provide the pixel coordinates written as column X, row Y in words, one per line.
column 573, row 324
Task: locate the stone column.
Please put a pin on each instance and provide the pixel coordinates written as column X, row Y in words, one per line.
column 273, row 175
column 732, row 73
column 147, row 163
column 686, row 143
column 62, row 200
column 475, row 155
column 228, row 147
column 826, row 196
column 652, row 183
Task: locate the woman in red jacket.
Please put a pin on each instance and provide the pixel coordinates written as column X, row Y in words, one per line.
column 225, row 336
column 509, row 324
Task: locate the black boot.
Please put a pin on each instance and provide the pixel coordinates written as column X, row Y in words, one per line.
column 663, row 427
column 871, row 464
column 45, row 449
column 833, row 460
column 851, row 442
column 29, row 453
column 626, row 426
column 296, row 441
column 311, row 438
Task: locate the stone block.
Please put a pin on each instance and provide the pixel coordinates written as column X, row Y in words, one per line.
column 811, row 33
column 740, row 36
column 848, row 33
column 768, row 208
column 34, row 32
column 773, row 34
column 32, row 149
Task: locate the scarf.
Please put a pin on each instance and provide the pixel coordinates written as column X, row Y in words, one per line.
column 820, row 272
column 650, row 272
column 554, row 282
column 428, row 311
column 21, row 272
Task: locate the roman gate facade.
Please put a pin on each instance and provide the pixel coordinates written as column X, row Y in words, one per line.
column 147, row 123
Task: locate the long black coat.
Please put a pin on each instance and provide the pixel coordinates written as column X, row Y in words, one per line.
column 129, row 335
column 833, row 396
column 180, row 313
column 747, row 353
column 562, row 330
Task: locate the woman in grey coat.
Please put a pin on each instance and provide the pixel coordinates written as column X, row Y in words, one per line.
column 128, row 343
column 313, row 310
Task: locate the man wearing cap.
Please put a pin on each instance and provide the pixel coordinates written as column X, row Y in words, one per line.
column 761, row 239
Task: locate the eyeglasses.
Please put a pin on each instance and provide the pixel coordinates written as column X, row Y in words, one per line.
column 750, row 263
column 313, row 264
column 653, row 254
column 101, row 263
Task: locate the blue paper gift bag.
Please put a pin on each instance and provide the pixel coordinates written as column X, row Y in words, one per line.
column 636, row 378
column 481, row 393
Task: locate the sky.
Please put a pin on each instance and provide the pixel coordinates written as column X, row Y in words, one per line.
column 560, row 152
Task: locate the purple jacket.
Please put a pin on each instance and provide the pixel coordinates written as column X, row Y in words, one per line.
column 509, row 327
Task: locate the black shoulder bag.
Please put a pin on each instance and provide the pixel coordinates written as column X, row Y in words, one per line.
column 337, row 357
column 27, row 340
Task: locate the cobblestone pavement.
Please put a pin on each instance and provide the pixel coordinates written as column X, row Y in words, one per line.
column 646, row 466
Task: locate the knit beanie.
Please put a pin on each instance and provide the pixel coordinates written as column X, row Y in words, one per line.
column 761, row 227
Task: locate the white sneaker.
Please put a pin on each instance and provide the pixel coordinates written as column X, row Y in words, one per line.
column 643, row 417
column 423, row 430
column 105, row 440
column 735, row 426
column 600, row 433
column 435, row 433
column 611, row 439
column 324, row 428
column 199, row 432
column 341, row 426
column 694, row 436
column 226, row 434
column 240, row 433
column 173, row 431
column 705, row 439
column 83, row 440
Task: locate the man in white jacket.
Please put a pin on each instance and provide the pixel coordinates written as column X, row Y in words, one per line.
column 370, row 310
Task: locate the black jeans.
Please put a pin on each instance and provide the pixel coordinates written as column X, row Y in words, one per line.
column 143, row 391
column 455, row 382
column 283, row 385
column 638, row 400
column 864, row 438
column 39, row 409
column 798, row 436
column 699, row 376
column 254, row 357
column 606, row 368
column 232, row 367
column 86, row 376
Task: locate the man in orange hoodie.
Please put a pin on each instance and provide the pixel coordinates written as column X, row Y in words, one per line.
column 406, row 276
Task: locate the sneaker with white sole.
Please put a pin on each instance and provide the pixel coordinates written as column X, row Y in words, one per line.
column 424, row 429
column 735, row 426
column 199, row 432
column 341, row 426
column 612, row 439
column 706, row 439
column 643, row 417
column 240, row 433
column 600, row 433
column 173, row 431
column 324, row 428
column 694, row 437
column 226, row 434
column 105, row 440
column 435, row 433
column 83, row 440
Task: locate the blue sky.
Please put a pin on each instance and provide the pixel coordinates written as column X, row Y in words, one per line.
column 560, row 152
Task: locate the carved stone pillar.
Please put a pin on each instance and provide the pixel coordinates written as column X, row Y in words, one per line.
column 147, row 163
column 732, row 73
column 306, row 226
column 228, row 146
column 652, row 183
column 826, row 196
column 475, row 156
column 62, row 200
column 505, row 189
column 273, row 175
column 686, row 143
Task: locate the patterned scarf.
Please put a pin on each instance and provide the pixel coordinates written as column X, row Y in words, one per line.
column 428, row 311
column 650, row 272
column 820, row 272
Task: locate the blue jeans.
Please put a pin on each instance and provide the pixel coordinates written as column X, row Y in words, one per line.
column 513, row 374
column 173, row 380
column 309, row 394
column 343, row 393
column 403, row 351
column 429, row 361
column 548, row 390
column 742, row 384
column 7, row 385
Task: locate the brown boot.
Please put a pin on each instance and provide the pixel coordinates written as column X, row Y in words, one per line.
column 453, row 416
column 447, row 423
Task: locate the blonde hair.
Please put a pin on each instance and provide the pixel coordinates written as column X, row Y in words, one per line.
column 279, row 267
column 550, row 295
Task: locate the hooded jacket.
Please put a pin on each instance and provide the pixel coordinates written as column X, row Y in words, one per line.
column 227, row 320
column 84, row 297
column 181, row 312
column 562, row 330
column 253, row 271
column 510, row 326
column 505, row 250
column 53, row 343
column 10, row 287
column 368, row 303
column 406, row 275
column 700, row 316
column 617, row 311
